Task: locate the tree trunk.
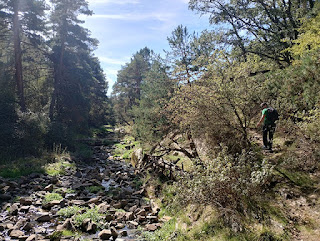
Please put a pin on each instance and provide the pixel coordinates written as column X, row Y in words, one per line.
column 17, row 57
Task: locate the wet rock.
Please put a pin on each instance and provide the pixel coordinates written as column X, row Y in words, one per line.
column 2, row 227
column 28, row 226
column 120, row 226
column 133, row 224
column 24, row 209
column 123, row 233
column 105, row 234
column 78, row 174
column 114, row 233
column 26, row 201
column 66, row 225
column 44, row 217
column 94, row 200
column 16, row 233
column 31, row 238
column 129, row 216
column 10, row 226
column 152, row 219
column 109, row 217
column 14, row 209
column 103, row 207
column 49, row 188
column 142, row 212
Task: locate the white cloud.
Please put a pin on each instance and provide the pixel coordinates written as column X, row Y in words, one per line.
column 112, row 61
column 120, row 2
column 163, row 17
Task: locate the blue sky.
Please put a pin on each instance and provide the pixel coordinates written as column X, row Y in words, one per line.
column 123, row 27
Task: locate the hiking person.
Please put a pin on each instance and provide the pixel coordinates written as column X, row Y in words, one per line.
column 269, row 118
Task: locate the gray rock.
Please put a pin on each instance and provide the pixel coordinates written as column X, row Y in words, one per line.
column 31, row 238
column 16, row 233
column 44, row 217
column 151, row 227
column 14, row 209
column 28, row 226
column 123, row 233
column 105, row 234
column 25, row 201
column 114, row 233
column 5, row 197
column 49, row 188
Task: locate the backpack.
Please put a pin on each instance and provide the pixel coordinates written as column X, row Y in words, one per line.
column 272, row 115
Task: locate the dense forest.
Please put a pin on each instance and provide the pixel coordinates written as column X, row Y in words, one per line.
column 52, row 86
column 196, row 107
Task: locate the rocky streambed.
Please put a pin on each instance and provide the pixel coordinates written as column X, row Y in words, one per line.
column 96, row 199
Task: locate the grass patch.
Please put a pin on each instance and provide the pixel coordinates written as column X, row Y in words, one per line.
column 69, row 211
column 301, row 179
column 92, row 213
column 22, row 167
column 95, row 189
column 58, row 168
column 51, row 197
column 167, row 232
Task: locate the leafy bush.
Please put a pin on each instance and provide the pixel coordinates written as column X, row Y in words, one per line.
column 230, row 183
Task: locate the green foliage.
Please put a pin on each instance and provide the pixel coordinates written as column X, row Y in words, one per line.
column 92, row 213
column 95, row 189
column 58, row 168
column 22, row 167
column 51, row 197
column 127, row 89
column 151, row 122
column 167, row 232
column 69, row 211
column 228, row 182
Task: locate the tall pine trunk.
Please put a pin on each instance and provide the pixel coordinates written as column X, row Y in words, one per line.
column 17, row 56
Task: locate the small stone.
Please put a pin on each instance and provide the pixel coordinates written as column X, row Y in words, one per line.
column 28, row 226
column 123, row 233
column 109, row 217
column 94, row 200
column 114, row 233
column 105, row 234
column 153, row 219
column 49, row 188
column 129, row 216
column 142, row 213
column 16, row 233
column 14, row 209
column 120, row 226
column 31, row 238
column 24, row 209
column 133, row 224
column 44, row 217
column 151, row 227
